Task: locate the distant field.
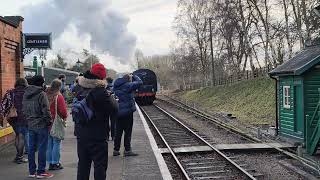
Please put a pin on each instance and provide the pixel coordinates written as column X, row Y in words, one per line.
column 252, row 102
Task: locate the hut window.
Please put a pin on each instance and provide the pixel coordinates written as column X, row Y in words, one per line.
column 286, row 97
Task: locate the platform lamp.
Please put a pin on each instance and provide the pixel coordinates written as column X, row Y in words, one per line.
column 317, row 10
column 78, row 65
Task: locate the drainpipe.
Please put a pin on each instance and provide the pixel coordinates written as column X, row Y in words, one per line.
column 277, row 114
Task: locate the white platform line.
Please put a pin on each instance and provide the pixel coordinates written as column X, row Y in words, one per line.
column 166, row 175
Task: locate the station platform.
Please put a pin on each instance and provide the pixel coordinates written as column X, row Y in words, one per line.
column 148, row 165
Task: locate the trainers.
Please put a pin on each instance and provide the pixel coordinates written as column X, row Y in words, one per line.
column 31, row 176
column 44, row 175
column 116, row 153
column 130, row 153
column 56, row 167
column 50, row 166
column 20, row 160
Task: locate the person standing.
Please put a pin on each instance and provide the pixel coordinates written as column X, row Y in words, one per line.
column 19, row 124
column 91, row 136
column 112, row 118
column 58, row 108
column 124, row 89
column 63, row 89
column 35, row 107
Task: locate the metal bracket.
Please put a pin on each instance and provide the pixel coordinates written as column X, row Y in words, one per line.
column 27, row 51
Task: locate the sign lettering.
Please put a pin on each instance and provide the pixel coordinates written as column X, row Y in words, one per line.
column 37, row 41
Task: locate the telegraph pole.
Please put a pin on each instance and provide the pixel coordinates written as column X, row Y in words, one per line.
column 211, row 46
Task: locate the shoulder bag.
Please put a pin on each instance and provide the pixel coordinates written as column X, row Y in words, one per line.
column 58, row 126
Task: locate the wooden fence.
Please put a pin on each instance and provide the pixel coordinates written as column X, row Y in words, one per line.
column 231, row 79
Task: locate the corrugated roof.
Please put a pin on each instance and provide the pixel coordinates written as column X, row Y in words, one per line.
column 51, row 73
column 300, row 63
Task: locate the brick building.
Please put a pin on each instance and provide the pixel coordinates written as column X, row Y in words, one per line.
column 11, row 66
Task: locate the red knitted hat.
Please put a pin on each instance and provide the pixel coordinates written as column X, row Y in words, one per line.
column 99, row 70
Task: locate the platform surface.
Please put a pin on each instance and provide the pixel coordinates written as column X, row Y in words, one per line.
column 142, row 167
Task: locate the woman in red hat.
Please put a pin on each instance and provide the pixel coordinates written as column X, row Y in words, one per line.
column 92, row 136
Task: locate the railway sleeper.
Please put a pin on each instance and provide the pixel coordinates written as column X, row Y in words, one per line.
column 222, row 168
column 178, row 144
column 182, row 145
column 214, row 174
column 198, row 159
column 209, row 172
column 174, row 131
column 218, row 177
column 192, row 141
column 210, row 163
column 179, row 137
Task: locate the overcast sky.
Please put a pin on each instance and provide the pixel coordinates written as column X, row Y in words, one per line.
column 148, row 27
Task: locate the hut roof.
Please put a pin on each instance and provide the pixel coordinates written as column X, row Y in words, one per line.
column 300, row 63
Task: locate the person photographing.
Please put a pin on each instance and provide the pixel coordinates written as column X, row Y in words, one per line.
column 124, row 89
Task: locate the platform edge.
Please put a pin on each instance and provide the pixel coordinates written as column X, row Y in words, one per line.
column 166, row 175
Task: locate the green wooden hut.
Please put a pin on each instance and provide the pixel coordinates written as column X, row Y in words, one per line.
column 298, row 98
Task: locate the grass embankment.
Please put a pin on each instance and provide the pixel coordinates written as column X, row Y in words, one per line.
column 252, row 102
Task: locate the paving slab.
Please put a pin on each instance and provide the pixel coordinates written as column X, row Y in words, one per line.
column 142, row 167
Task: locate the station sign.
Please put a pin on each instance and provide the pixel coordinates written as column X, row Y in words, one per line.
column 37, row 40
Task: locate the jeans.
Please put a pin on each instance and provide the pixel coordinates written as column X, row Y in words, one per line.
column 53, row 151
column 123, row 124
column 21, row 140
column 89, row 151
column 38, row 138
column 26, row 142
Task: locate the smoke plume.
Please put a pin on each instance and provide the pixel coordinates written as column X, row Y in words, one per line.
column 106, row 27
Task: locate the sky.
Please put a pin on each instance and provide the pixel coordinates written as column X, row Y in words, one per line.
column 124, row 25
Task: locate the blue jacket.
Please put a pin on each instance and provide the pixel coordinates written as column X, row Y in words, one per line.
column 125, row 92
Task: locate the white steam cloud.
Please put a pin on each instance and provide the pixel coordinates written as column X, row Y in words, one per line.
column 106, row 27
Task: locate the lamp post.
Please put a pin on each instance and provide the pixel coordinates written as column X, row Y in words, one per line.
column 78, row 65
column 35, row 64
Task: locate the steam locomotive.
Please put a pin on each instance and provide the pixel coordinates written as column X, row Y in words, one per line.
column 146, row 94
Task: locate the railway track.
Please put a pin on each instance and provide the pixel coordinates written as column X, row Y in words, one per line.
column 195, row 165
column 221, row 120
column 200, row 157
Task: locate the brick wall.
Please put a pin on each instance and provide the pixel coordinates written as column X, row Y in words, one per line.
column 11, row 66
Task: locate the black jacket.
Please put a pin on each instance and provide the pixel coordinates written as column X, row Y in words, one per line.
column 102, row 104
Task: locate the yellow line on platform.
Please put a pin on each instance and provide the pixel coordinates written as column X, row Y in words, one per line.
column 5, row 131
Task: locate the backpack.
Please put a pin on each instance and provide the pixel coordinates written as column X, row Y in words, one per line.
column 81, row 112
column 6, row 103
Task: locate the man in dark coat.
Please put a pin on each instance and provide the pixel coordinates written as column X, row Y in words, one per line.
column 124, row 89
column 35, row 107
column 92, row 137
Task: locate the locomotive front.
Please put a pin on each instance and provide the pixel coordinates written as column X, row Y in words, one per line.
column 146, row 94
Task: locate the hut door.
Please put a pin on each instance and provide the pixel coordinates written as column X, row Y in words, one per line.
column 298, row 109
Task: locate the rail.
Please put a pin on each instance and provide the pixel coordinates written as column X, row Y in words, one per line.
column 167, row 145
column 234, row 164
column 307, row 162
